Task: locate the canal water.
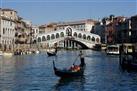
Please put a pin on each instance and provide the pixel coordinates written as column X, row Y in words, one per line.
column 35, row 73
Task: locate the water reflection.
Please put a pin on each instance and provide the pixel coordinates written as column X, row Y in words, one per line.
column 70, row 84
column 35, row 73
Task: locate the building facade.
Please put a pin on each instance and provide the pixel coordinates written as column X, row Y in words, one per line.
column 83, row 25
column 47, row 28
column 35, row 32
column 134, row 28
column 112, row 30
column 8, row 19
column 99, row 29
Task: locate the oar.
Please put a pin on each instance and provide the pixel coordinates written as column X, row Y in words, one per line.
column 54, row 65
column 75, row 60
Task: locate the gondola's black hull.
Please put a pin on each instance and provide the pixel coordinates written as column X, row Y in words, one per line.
column 51, row 54
column 128, row 65
column 68, row 73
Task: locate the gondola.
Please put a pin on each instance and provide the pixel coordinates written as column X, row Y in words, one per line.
column 67, row 73
column 52, row 53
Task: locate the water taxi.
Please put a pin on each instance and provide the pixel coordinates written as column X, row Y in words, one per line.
column 112, row 49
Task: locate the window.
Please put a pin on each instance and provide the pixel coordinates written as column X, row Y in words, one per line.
column 62, row 34
column 97, row 40
column 8, row 31
column 69, row 32
column 79, row 35
column 84, row 36
column 48, row 37
column 52, row 36
column 36, row 30
column 93, row 39
column 88, row 38
column 43, row 38
column 57, row 35
column 75, row 34
column 39, row 39
column 3, row 30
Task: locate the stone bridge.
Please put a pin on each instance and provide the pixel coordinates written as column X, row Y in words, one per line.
column 68, row 37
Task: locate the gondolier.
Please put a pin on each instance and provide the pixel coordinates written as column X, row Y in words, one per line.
column 82, row 58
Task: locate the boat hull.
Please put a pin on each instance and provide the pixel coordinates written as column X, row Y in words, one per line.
column 68, row 73
column 51, row 54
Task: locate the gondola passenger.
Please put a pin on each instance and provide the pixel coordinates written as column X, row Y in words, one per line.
column 75, row 68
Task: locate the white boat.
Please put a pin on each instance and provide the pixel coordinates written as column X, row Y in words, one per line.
column 1, row 53
column 112, row 49
column 7, row 54
column 37, row 52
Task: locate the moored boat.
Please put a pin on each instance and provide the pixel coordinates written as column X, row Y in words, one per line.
column 52, row 52
column 1, row 53
column 128, row 58
column 112, row 49
column 7, row 54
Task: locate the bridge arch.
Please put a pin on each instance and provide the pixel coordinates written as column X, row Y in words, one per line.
column 39, row 39
column 52, row 36
column 75, row 34
column 43, row 38
column 84, row 36
column 97, row 40
column 83, row 46
column 57, row 35
column 88, row 37
column 48, row 37
column 69, row 31
column 79, row 35
column 93, row 39
column 62, row 34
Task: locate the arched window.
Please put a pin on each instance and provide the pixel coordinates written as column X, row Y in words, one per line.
column 48, row 37
column 93, row 39
column 43, row 38
column 97, row 40
column 79, row 35
column 4, row 30
column 69, row 31
column 52, row 36
column 62, row 34
column 88, row 38
column 84, row 36
column 57, row 35
column 39, row 39
column 75, row 34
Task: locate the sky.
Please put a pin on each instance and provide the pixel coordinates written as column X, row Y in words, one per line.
column 47, row 11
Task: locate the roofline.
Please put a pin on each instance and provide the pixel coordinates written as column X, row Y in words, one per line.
column 7, row 9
